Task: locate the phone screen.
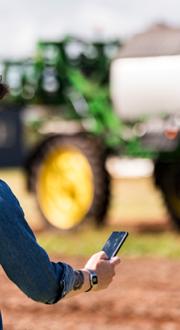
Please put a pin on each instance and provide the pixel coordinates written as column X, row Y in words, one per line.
column 114, row 243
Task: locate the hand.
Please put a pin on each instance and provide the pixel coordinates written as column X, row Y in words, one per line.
column 104, row 268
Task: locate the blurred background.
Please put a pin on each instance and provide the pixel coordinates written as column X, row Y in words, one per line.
column 89, row 143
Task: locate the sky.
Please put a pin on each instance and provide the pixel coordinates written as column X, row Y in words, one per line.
column 23, row 22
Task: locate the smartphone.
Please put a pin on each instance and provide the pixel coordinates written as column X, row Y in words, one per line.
column 114, row 243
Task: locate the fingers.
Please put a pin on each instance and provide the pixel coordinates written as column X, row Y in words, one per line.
column 103, row 255
column 115, row 261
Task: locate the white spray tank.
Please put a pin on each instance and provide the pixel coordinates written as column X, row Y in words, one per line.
column 145, row 86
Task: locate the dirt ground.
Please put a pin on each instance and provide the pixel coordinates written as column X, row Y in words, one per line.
column 144, row 296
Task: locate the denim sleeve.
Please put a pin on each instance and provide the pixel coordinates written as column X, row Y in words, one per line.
column 24, row 261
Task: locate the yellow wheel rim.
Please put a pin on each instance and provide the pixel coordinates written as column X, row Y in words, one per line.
column 65, row 187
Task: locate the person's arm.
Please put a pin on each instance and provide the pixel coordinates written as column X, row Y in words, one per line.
column 27, row 264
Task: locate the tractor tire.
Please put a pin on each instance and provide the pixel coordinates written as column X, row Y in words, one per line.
column 68, row 176
column 167, row 179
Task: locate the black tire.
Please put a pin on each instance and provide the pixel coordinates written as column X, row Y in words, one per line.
column 94, row 151
column 167, row 178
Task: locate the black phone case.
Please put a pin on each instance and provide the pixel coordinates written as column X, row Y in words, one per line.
column 114, row 243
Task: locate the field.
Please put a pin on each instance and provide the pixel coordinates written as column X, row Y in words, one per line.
column 145, row 293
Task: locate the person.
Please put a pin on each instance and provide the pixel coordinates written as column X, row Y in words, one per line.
column 28, row 265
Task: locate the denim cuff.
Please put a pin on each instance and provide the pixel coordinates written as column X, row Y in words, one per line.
column 67, row 281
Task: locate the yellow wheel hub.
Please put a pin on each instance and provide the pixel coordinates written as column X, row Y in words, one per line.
column 65, row 187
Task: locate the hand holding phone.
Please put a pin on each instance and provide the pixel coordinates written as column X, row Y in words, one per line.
column 114, row 243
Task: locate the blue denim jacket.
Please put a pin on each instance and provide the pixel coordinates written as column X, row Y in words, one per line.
column 24, row 261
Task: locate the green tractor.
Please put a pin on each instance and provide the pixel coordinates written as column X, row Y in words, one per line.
column 77, row 121
column 67, row 81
